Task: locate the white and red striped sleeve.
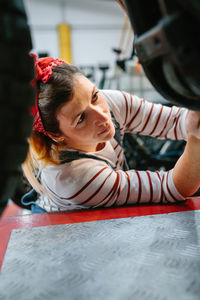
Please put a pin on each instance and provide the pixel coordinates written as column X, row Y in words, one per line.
column 95, row 184
column 139, row 116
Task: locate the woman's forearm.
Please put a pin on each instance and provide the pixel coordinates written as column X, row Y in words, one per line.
column 186, row 174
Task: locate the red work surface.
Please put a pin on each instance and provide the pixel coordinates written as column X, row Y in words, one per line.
column 8, row 223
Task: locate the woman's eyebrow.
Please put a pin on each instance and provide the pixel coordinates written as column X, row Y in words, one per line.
column 94, row 87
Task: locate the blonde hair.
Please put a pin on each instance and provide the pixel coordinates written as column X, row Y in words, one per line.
column 42, row 151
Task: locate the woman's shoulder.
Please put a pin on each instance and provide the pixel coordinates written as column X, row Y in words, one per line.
column 72, row 170
column 67, row 178
column 113, row 97
column 118, row 101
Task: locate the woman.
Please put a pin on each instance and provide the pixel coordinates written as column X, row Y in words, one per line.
column 76, row 144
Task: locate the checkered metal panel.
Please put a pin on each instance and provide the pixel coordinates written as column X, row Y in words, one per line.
column 153, row 257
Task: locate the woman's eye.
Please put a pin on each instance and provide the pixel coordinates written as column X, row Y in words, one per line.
column 81, row 119
column 95, row 96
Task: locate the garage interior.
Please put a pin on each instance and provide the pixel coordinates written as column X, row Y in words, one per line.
column 149, row 251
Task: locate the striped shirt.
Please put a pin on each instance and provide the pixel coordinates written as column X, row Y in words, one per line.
column 89, row 183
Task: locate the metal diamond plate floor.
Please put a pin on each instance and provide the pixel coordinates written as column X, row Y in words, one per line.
column 152, row 257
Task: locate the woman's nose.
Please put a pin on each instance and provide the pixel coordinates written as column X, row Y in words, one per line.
column 100, row 116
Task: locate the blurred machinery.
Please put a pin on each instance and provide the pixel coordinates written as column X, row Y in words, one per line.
column 17, row 95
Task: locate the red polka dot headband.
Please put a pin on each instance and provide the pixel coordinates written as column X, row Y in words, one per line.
column 43, row 71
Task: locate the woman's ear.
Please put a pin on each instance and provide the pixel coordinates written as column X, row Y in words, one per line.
column 56, row 138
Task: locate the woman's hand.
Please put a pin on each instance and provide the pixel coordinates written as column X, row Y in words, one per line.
column 193, row 123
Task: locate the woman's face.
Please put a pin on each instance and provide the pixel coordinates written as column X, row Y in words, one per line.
column 85, row 121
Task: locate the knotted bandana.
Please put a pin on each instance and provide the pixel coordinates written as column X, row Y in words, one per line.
column 43, row 71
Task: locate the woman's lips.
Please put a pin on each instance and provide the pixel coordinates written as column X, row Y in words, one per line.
column 105, row 130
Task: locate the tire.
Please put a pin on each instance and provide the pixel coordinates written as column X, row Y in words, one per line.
column 167, row 45
column 17, row 95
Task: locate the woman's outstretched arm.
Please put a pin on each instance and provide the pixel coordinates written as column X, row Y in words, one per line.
column 186, row 174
